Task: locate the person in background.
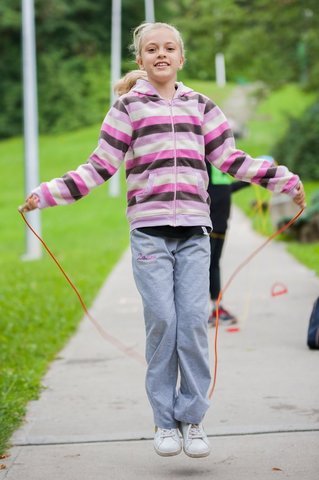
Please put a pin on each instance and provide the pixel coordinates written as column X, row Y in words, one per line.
column 220, row 189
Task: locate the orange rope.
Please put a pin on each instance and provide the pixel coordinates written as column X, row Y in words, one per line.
column 131, row 352
column 107, row 336
column 230, row 280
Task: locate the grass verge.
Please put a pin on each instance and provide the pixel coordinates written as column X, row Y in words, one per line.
column 265, row 128
column 38, row 310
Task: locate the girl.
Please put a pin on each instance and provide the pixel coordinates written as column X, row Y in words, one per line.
column 163, row 131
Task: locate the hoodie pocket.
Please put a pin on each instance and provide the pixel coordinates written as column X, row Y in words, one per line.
column 202, row 190
column 148, row 189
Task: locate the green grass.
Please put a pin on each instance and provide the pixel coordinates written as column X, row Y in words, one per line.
column 271, row 118
column 265, row 128
column 217, row 94
column 38, row 310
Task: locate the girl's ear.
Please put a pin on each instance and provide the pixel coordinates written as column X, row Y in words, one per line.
column 139, row 62
column 181, row 64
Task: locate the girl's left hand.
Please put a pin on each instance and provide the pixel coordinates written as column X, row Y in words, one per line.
column 300, row 198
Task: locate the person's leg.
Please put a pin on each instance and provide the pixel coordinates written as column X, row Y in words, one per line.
column 191, row 293
column 216, row 248
column 153, row 265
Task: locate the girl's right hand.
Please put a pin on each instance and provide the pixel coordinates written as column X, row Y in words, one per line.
column 31, row 203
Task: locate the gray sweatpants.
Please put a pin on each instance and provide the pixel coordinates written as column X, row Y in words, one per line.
column 172, row 276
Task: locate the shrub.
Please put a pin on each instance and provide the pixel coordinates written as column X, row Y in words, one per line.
column 299, row 147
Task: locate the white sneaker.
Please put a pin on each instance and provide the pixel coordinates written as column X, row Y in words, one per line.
column 196, row 443
column 167, row 442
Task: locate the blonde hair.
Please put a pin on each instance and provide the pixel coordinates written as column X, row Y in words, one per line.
column 127, row 82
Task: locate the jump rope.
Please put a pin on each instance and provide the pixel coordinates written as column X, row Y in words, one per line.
column 130, row 351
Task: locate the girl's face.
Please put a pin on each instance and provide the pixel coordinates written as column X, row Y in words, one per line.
column 160, row 55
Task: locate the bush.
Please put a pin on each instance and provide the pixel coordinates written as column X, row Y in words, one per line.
column 72, row 93
column 299, row 147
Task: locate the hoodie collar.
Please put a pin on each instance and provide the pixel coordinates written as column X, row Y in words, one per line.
column 146, row 88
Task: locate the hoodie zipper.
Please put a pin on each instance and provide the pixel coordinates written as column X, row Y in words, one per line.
column 175, row 160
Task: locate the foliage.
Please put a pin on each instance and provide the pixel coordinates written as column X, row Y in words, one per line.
column 299, row 147
column 275, row 42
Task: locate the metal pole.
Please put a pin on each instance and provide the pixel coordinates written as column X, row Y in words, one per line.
column 114, row 189
column 220, row 70
column 149, row 11
column 30, row 114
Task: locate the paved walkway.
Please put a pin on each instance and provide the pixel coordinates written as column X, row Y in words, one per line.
column 93, row 420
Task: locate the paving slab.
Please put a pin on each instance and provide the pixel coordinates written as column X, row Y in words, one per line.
column 258, row 457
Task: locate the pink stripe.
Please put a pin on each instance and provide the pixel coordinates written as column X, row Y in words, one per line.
column 79, row 183
column 148, row 121
column 111, row 170
column 108, row 149
column 142, row 207
column 264, row 166
column 212, row 114
column 97, row 179
column 149, row 158
column 118, row 134
column 216, row 132
column 218, row 152
column 291, row 184
column 194, row 120
column 47, row 195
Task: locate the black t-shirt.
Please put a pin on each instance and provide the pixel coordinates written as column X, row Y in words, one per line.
column 175, row 232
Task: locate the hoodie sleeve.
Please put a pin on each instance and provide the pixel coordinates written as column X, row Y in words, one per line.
column 221, row 151
column 114, row 141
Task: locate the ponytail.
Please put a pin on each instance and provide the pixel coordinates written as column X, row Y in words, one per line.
column 127, row 82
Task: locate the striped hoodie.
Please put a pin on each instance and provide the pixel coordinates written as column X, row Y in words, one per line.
column 163, row 145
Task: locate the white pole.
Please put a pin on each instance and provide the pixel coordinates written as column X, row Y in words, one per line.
column 149, row 11
column 115, row 75
column 30, row 114
column 220, row 70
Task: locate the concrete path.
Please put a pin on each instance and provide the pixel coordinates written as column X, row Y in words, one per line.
column 93, row 420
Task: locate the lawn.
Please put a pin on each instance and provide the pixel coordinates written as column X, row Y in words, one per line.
column 38, row 310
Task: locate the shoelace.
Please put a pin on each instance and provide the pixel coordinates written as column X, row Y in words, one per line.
column 167, row 432
column 195, row 431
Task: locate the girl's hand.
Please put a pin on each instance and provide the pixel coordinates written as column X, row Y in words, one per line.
column 300, row 198
column 31, row 203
